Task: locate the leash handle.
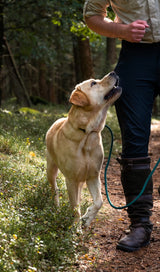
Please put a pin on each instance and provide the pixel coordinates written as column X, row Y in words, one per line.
column 105, row 177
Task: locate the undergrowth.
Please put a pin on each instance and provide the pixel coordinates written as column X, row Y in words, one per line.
column 34, row 234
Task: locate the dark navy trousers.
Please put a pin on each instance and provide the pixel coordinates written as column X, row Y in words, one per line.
column 139, row 71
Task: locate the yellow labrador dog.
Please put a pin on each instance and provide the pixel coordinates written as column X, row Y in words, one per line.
column 74, row 144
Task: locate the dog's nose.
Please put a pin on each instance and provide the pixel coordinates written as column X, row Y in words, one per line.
column 113, row 74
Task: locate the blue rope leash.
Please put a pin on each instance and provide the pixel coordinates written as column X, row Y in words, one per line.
column 105, row 177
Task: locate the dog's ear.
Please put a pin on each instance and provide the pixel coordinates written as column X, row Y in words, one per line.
column 79, row 98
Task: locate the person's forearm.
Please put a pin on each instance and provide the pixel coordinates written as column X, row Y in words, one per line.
column 105, row 27
column 133, row 32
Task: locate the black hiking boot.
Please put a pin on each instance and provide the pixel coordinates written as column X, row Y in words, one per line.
column 134, row 173
column 138, row 237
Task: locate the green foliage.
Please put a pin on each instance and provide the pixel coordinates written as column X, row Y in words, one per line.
column 110, row 13
column 80, row 29
column 34, row 234
column 29, row 24
column 33, row 27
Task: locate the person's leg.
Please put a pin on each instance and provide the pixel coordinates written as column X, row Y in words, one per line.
column 134, row 108
column 134, row 173
column 136, row 69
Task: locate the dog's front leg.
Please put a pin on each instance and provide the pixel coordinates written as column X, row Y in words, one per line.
column 94, row 186
column 74, row 192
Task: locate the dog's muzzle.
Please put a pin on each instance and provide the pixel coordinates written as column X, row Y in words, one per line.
column 116, row 90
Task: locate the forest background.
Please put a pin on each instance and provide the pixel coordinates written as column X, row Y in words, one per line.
column 46, row 49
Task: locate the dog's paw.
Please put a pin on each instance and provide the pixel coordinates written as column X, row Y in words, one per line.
column 76, row 228
column 85, row 221
column 79, row 230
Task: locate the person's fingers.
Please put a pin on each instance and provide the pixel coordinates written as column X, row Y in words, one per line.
column 142, row 23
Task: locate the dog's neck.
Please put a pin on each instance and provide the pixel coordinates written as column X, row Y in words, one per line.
column 87, row 121
column 97, row 122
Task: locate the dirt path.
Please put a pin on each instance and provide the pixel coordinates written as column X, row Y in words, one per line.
column 102, row 255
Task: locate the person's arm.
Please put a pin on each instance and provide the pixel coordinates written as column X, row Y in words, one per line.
column 133, row 32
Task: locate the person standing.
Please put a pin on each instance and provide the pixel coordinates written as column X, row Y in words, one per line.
column 137, row 24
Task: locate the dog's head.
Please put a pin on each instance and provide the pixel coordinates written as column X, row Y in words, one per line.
column 97, row 92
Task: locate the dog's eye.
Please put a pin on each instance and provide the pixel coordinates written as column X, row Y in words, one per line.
column 93, row 83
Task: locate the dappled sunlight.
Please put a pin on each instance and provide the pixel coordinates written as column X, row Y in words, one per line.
column 155, row 125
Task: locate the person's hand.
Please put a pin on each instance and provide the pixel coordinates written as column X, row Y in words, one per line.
column 135, row 31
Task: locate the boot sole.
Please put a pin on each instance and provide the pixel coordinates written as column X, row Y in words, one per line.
column 131, row 249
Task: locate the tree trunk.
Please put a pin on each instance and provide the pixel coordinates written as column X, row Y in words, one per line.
column 85, row 58
column 111, row 56
column 82, row 59
column 76, row 54
column 1, row 45
column 21, row 92
column 51, row 88
column 43, row 88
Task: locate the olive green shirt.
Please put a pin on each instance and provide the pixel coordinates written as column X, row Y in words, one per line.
column 128, row 11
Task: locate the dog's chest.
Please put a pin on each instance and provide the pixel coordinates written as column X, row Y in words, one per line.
column 84, row 159
column 91, row 142
column 92, row 151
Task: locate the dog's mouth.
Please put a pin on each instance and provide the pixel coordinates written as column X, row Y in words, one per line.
column 115, row 90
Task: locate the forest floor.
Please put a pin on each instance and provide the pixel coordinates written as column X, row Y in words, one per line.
column 111, row 224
